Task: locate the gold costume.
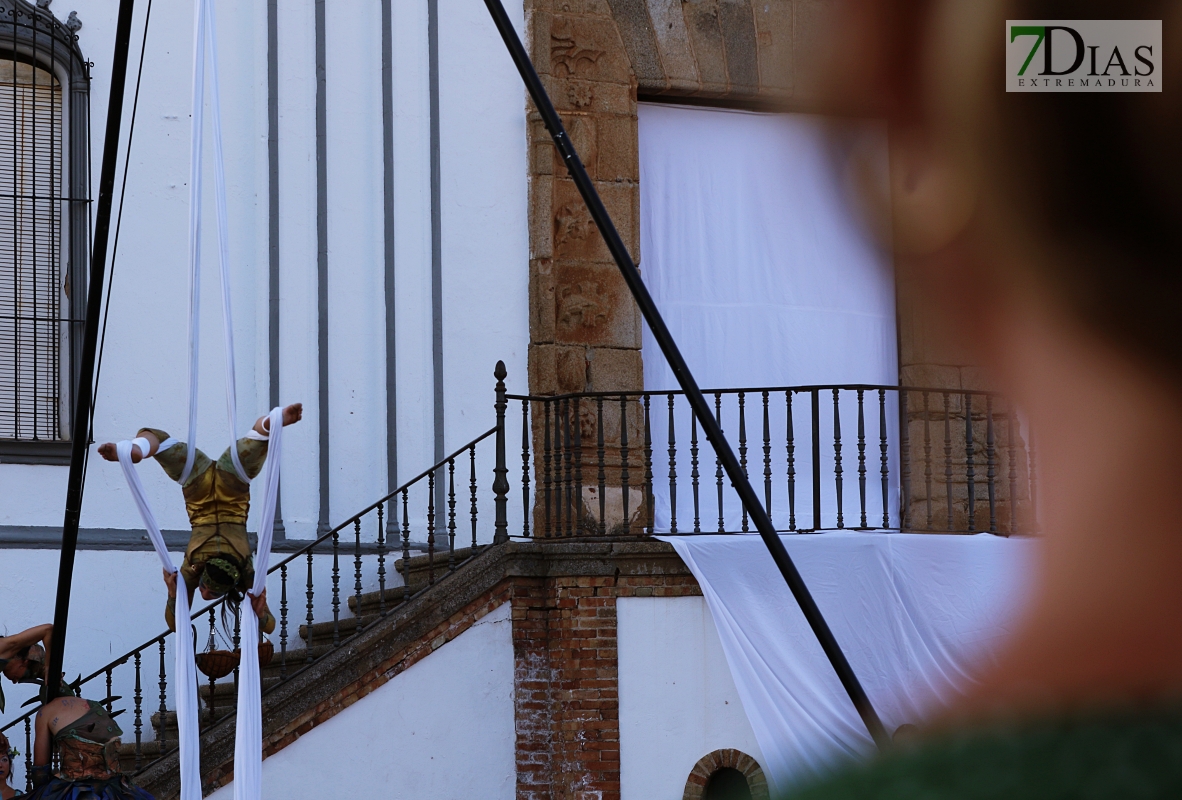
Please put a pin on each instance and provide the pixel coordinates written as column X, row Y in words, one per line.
column 218, row 502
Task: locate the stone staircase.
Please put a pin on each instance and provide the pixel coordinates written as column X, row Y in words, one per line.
column 218, row 701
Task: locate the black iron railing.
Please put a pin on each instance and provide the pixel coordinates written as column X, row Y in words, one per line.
column 443, row 538
column 862, row 457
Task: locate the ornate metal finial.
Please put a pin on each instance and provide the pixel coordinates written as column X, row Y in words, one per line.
column 73, row 24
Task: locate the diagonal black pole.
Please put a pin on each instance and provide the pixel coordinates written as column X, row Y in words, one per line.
column 82, row 402
column 697, row 401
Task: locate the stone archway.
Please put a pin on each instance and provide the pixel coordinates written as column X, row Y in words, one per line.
column 695, row 785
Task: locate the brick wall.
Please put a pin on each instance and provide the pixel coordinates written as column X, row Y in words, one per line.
column 567, row 690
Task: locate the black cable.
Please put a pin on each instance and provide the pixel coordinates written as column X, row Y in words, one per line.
column 135, row 103
column 94, row 301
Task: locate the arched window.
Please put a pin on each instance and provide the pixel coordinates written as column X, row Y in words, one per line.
column 726, row 775
column 44, row 228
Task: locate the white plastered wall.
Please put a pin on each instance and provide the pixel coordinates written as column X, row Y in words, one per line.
column 484, row 250
column 442, row 729
column 677, row 699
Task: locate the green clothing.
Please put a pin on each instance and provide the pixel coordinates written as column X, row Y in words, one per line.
column 1113, row 756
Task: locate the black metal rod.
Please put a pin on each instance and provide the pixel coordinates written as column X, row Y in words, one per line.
column 685, row 378
column 81, row 428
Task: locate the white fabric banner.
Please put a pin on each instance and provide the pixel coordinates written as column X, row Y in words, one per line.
column 917, row 615
column 765, row 277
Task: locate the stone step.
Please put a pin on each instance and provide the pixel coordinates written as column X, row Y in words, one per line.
column 322, row 635
column 148, row 752
column 420, row 566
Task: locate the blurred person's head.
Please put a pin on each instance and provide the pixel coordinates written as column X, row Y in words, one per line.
column 1045, row 230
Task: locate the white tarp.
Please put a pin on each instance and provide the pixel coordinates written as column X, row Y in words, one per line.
column 917, row 615
column 765, row 277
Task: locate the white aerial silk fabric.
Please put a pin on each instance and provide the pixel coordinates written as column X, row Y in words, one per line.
column 205, row 32
column 917, row 615
column 185, row 670
column 766, row 276
column 248, row 743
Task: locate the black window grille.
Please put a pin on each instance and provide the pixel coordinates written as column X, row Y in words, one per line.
column 44, row 228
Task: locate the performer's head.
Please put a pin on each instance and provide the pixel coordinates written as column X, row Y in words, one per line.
column 222, row 577
column 7, row 758
column 25, row 664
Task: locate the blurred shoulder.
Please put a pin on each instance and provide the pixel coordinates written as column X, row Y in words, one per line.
column 1134, row 754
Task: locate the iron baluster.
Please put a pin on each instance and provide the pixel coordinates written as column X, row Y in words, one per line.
column 968, row 460
column 791, row 447
column 648, row 463
column 336, row 590
column 283, row 621
column 862, row 455
column 212, row 680
column 567, row 509
column 546, row 479
column 767, row 459
column 672, row 470
column 163, row 699
column 578, row 436
column 237, row 646
column 718, row 464
column 357, row 570
column 431, row 528
column 405, row 545
column 990, row 459
column 501, row 470
column 837, row 454
column 694, row 474
column 29, row 755
column 906, row 453
column 601, row 459
column 1013, row 458
column 624, row 463
column 472, row 489
column 948, row 455
column 743, row 445
column 927, row 456
column 138, row 710
column 451, row 515
column 525, row 509
column 311, row 619
column 560, row 495
column 816, row 409
column 381, row 561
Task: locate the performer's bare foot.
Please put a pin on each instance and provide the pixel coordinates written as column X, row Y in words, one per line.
column 293, row 414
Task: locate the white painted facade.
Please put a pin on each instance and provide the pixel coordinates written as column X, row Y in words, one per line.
column 484, row 250
column 678, row 701
column 442, row 729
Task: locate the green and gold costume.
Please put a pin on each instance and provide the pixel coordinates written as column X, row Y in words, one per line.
column 218, row 502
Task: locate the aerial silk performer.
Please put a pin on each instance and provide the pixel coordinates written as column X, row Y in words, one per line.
column 218, row 561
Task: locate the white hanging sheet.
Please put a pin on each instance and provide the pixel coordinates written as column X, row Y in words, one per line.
column 765, row 277
column 917, row 615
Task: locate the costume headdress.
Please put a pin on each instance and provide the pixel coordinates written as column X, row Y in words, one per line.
column 229, row 575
